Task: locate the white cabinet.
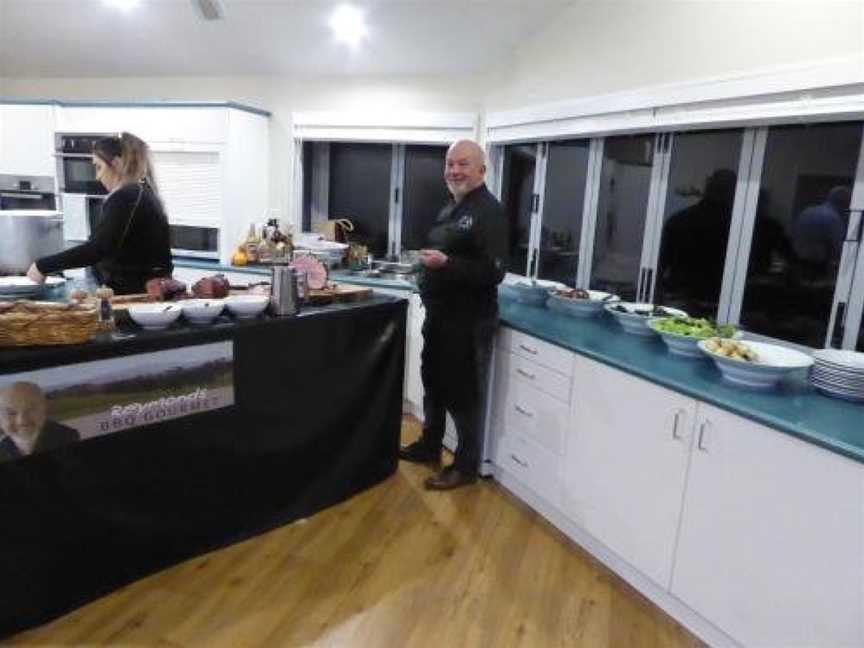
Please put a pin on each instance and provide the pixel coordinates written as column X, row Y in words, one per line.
column 625, row 464
column 529, row 411
column 771, row 547
column 27, row 140
column 154, row 124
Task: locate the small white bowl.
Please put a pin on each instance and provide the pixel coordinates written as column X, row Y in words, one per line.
column 637, row 324
column 772, row 363
column 247, row 306
column 202, row 311
column 581, row 307
column 154, row 317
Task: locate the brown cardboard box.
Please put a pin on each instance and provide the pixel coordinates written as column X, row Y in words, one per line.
column 336, row 229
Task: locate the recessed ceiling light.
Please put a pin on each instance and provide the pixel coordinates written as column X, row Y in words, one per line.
column 125, row 5
column 347, row 25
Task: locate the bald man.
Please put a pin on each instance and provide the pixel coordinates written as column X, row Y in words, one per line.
column 23, row 424
column 461, row 270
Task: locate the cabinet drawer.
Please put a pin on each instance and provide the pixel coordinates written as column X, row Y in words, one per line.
column 531, row 464
column 535, row 414
column 526, row 346
column 515, row 367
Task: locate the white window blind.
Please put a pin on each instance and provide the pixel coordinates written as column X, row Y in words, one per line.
column 190, row 184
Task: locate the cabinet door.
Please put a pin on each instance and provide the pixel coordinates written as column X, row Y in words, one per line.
column 625, row 464
column 771, row 536
column 27, row 140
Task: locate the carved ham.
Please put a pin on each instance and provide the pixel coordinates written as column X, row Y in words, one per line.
column 214, row 287
column 166, row 289
column 316, row 272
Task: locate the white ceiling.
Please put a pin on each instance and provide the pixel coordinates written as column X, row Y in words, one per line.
column 88, row 38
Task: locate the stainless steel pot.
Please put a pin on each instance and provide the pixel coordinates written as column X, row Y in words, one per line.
column 26, row 235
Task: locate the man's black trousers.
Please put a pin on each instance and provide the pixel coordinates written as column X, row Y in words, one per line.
column 455, row 370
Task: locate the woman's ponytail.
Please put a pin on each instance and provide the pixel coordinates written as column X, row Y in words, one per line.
column 135, row 162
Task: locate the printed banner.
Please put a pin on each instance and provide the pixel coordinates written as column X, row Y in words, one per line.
column 48, row 408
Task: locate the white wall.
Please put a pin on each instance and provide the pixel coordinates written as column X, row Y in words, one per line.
column 280, row 96
column 597, row 48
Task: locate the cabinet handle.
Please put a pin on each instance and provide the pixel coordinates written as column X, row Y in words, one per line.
column 675, row 434
column 527, row 375
column 702, row 437
column 528, row 349
column 523, row 412
column 518, row 460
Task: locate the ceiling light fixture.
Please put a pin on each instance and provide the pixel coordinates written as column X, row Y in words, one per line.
column 125, row 5
column 348, row 26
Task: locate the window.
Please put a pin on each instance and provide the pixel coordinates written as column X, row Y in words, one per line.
column 561, row 221
column 799, row 226
column 517, row 196
column 696, row 220
column 360, row 191
column 308, row 153
column 425, row 193
column 625, row 182
column 392, row 193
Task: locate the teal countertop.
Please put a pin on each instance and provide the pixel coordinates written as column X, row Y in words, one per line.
column 342, row 276
column 795, row 407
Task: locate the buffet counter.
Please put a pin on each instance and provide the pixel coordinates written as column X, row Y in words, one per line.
column 795, row 407
column 310, row 415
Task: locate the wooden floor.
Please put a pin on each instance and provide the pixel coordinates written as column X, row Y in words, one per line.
column 395, row 566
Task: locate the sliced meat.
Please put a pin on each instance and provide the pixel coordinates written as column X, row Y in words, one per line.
column 316, row 272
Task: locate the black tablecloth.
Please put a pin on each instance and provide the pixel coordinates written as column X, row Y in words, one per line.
column 316, row 419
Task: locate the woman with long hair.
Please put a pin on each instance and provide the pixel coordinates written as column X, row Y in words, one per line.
column 132, row 244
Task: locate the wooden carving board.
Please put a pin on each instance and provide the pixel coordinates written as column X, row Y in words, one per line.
column 339, row 293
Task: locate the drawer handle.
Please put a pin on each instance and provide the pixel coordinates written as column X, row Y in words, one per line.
column 701, row 443
column 675, row 434
column 518, row 460
column 528, row 349
column 527, row 375
column 523, row 412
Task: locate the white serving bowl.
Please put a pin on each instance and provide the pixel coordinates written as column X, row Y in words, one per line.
column 156, row 316
column 246, row 306
column 581, row 307
column 773, row 362
column 682, row 345
column 635, row 323
column 202, row 311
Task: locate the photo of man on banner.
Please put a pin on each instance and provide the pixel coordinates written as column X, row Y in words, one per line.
column 24, row 426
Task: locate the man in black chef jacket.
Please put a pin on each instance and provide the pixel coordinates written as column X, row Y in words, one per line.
column 458, row 283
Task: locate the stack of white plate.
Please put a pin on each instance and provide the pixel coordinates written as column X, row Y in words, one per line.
column 839, row 373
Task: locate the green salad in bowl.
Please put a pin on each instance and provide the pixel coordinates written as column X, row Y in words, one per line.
column 682, row 334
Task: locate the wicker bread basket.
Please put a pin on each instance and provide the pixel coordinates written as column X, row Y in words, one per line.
column 25, row 323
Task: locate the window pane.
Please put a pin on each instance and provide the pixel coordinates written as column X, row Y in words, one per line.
column 696, row 220
column 800, row 224
column 566, row 168
column 308, row 166
column 622, row 201
column 360, row 191
column 425, row 193
column 520, row 162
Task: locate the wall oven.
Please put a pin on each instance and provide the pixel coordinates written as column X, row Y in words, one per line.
column 75, row 163
column 27, row 192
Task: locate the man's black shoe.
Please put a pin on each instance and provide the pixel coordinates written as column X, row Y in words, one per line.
column 449, row 478
column 418, row 452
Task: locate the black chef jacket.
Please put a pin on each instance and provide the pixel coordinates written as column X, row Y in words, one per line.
column 473, row 235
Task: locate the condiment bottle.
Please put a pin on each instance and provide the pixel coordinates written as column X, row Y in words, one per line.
column 104, row 310
column 252, row 243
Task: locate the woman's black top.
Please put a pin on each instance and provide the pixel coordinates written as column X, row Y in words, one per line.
column 130, row 246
